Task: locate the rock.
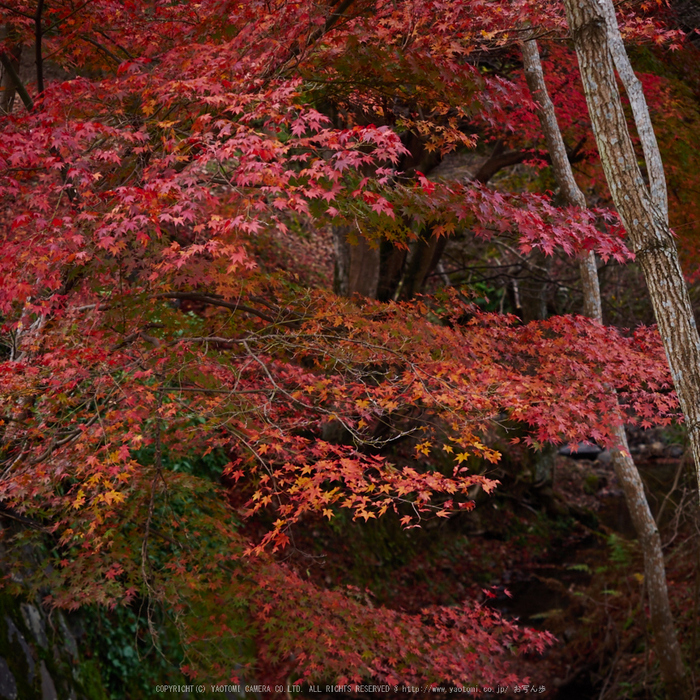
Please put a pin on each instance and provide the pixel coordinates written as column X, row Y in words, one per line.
column 48, row 689
column 12, row 633
column 656, row 449
column 675, row 451
column 69, row 643
column 8, row 686
column 591, row 484
column 32, row 618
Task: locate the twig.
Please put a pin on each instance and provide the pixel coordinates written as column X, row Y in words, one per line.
column 215, row 301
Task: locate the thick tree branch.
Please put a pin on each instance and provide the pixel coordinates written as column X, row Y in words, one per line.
column 500, row 159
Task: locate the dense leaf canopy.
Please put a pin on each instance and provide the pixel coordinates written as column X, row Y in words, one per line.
column 159, row 149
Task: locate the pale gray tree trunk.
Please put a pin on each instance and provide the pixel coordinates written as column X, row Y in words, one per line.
column 665, row 640
column 570, row 192
column 642, row 207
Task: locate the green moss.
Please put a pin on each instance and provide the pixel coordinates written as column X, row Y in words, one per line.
column 91, row 683
column 591, row 484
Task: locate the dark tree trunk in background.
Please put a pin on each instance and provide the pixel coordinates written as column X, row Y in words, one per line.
column 10, row 62
column 356, row 264
column 533, row 287
column 394, row 272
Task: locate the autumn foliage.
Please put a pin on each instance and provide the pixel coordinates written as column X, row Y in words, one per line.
column 142, row 333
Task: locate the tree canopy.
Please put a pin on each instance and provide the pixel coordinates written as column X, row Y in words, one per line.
column 182, row 389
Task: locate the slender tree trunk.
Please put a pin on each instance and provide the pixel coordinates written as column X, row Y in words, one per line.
column 642, row 208
column 38, row 37
column 665, row 640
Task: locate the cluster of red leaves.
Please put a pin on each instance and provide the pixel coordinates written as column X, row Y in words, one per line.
column 316, row 634
column 381, row 372
column 91, row 454
column 394, row 647
column 529, row 218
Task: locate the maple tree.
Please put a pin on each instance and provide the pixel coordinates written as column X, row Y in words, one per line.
column 142, row 332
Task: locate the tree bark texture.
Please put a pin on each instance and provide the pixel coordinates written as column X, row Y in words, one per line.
column 570, row 191
column 641, row 208
column 665, row 641
column 640, row 113
column 356, row 265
